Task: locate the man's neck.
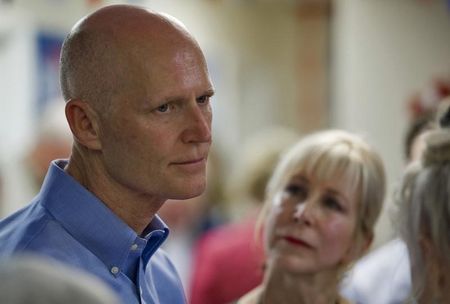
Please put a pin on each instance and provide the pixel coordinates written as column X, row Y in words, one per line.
column 135, row 209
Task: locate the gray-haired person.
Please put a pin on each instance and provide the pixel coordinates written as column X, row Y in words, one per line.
column 37, row 280
column 424, row 200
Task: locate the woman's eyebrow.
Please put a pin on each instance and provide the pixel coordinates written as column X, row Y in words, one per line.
column 338, row 194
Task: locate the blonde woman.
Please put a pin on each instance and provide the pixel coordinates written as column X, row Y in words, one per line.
column 322, row 203
column 424, row 202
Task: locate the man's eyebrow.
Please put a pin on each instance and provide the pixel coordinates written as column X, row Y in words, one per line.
column 210, row 92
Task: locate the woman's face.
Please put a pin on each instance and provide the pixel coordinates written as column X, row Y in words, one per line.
column 311, row 224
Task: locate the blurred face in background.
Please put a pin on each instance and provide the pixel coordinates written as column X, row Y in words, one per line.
column 43, row 152
column 183, row 215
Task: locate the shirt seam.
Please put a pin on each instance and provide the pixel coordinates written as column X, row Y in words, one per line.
column 42, row 227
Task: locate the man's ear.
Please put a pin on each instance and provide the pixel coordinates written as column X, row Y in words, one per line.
column 83, row 122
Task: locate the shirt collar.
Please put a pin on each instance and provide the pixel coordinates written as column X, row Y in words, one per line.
column 91, row 222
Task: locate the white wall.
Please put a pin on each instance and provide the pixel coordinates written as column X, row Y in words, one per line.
column 19, row 26
column 382, row 52
column 16, row 82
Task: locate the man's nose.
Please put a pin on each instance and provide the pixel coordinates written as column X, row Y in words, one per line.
column 198, row 125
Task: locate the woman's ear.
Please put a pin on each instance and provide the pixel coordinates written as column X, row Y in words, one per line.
column 358, row 248
column 83, row 122
column 367, row 240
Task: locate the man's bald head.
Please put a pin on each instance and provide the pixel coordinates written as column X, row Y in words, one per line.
column 101, row 56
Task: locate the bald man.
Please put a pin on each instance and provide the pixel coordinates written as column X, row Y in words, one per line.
column 137, row 94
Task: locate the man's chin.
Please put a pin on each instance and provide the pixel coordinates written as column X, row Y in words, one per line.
column 189, row 192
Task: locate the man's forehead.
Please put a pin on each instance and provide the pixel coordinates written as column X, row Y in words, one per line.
column 129, row 20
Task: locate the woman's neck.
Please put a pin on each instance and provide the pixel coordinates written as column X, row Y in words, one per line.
column 285, row 288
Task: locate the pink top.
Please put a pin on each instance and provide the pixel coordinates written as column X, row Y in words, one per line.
column 228, row 263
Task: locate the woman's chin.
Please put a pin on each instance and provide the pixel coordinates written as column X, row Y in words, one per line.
column 292, row 263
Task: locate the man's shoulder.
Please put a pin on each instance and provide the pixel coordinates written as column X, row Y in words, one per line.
column 28, row 229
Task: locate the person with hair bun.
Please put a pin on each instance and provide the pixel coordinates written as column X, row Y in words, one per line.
column 322, row 203
column 424, row 208
column 383, row 275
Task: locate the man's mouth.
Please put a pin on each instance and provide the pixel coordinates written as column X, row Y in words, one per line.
column 192, row 165
column 191, row 161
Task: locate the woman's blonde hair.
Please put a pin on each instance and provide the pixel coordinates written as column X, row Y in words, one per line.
column 332, row 153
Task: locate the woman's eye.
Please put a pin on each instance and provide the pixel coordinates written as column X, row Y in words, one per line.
column 333, row 203
column 299, row 191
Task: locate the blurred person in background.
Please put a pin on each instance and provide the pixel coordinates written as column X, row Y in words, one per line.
column 424, row 212
column 23, row 178
column 322, row 203
column 38, row 280
column 228, row 260
column 384, row 276
column 137, row 93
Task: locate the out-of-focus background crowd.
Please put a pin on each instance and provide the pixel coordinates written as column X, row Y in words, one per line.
column 281, row 69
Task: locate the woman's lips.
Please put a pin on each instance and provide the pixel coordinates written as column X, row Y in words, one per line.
column 296, row 241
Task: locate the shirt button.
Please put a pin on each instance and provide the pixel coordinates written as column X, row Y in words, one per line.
column 134, row 247
column 115, row 270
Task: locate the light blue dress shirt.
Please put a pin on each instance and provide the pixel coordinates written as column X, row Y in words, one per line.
column 67, row 222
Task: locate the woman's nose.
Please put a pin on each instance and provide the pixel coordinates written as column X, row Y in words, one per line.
column 302, row 213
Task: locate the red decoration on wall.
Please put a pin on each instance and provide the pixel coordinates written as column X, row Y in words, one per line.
column 427, row 100
column 94, row 2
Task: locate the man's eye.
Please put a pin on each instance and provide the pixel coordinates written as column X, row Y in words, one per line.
column 203, row 99
column 163, row 108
